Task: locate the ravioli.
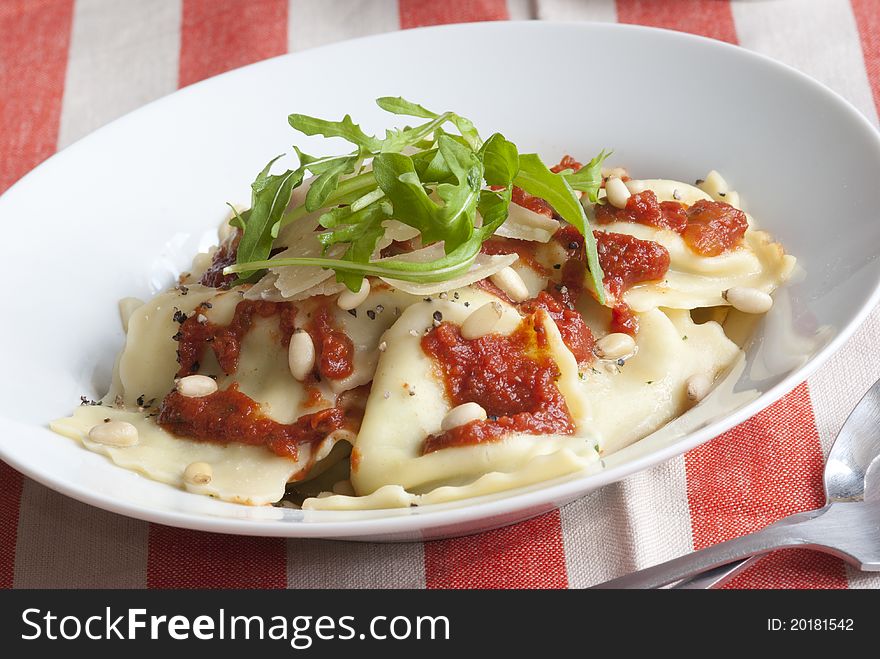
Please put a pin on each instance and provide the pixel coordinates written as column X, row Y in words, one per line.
column 694, row 280
column 407, row 404
column 304, row 350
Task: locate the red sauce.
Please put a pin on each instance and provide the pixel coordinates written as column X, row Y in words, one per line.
column 567, row 162
column 512, row 377
column 643, row 208
column 489, row 286
column 230, row 416
column 627, row 261
column 525, row 249
column 224, row 256
column 225, row 342
column 522, row 198
column 334, row 351
column 574, row 331
column 714, row 227
column 624, row 320
column 709, row 228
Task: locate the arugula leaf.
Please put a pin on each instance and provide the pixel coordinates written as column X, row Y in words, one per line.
column 346, row 129
column 399, row 105
column 535, row 178
column 456, row 219
column 588, row 178
column 500, row 160
column 396, row 175
column 494, row 207
column 438, row 191
column 327, row 180
column 270, row 195
column 361, row 230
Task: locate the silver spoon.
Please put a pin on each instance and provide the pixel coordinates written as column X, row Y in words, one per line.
column 852, row 474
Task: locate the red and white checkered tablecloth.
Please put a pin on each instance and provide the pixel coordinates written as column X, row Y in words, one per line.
column 69, row 66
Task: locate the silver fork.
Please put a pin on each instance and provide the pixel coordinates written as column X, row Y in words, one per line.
column 850, row 531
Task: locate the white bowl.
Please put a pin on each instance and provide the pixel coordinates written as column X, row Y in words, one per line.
column 121, row 212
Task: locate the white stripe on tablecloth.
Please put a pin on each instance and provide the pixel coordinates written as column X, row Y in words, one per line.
column 819, row 37
column 626, row 526
column 313, row 23
column 577, row 10
column 63, row 543
column 122, row 55
column 835, row 390
column 520, row 10
column 332, row 564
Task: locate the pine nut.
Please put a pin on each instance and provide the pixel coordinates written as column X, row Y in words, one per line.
column 615, row 346
column 462, row 414
column 348, row 300
column 714, row 185
column 120, row 434
column 196, row 386
column 619, row 172
column 748, row 300
column 617, row 192
column 482, row 321
column 509, row 281
column 698, row 386
column 198, row 473
column 634, row 186
column 301, row 355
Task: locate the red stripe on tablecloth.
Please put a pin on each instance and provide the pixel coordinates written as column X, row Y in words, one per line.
column 416, row 13
column 10, row 503
column 710, row 18
column 530, row 554
column 762, row 470
column 219, row 35
column 33, row 61
column 216, row 36
column 527, row 555
column 179, row 558
column 867, row 13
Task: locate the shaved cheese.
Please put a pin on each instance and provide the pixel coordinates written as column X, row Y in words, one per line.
column 525, row 224
column 301, row 240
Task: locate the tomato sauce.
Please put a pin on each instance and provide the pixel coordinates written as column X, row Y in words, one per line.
column 194, row 336
column 334, row 351
column 575, row 334
column 524, row 249
column 624, row 320
column 714, row 227
column 231, row 416
column 567, row 162
column 627, row 261
column 643, row 208
column 709, row 228
column 512, row 377
column 522, row 198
